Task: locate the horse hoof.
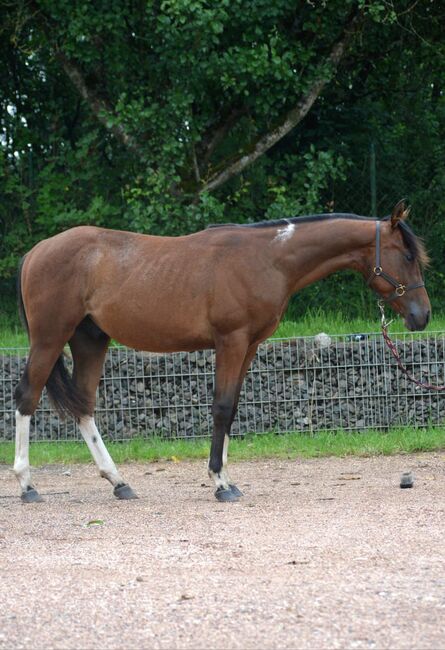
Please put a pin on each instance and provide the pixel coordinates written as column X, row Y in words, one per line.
column 235, row 490
column 124, row 492
column 226, row 494
column 31, row 496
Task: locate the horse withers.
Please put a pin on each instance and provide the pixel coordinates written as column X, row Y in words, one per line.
column 224, row 288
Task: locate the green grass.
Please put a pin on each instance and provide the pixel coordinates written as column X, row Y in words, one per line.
column 314, row 322
column 296, row 445
column 12, row 334
column 13, row 339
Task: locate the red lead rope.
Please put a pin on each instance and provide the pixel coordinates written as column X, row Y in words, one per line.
column 392, row 347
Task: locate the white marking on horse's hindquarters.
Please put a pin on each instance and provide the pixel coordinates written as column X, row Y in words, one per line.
column 285, row 233
column 21, row 461
column 96, row 445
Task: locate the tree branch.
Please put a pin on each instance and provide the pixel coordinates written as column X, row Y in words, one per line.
column 220, row 132
column 292, row 118
column 103, row 112
column 99, row 107
column 195, row 164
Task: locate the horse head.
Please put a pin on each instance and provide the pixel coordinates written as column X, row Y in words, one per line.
column 396, row 266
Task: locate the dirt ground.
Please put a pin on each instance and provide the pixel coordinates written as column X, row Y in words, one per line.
column 326, row 553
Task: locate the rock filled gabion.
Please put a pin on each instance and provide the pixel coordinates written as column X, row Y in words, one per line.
column 293, row 385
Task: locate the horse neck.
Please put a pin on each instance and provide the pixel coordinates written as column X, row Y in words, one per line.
column 312, row 251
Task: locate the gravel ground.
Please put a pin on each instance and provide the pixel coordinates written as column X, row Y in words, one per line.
column 326, row 553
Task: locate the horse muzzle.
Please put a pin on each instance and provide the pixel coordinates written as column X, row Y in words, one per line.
column 416, row 317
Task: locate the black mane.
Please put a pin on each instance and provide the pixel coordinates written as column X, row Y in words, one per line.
column 284, row 222
column 413, row 243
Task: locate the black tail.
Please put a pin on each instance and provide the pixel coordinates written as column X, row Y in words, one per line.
column 65, row 396
column 20, row 304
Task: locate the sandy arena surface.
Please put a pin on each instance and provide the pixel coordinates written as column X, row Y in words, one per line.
column 326, row 553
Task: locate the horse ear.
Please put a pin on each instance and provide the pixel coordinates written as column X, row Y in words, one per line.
column 400, row 213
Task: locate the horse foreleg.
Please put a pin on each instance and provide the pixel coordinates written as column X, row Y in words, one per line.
column 230, row 357
column 245, row 367
column 89, row 347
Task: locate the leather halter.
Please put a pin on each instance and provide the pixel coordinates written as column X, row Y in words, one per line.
column 378, row 272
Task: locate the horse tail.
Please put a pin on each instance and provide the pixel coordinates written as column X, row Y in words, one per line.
column 20, row 304
column 62, row 390
column 64, row 394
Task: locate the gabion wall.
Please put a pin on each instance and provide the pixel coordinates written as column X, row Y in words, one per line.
column 305, row 384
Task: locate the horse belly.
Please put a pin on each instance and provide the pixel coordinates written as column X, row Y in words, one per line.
column 154, row 332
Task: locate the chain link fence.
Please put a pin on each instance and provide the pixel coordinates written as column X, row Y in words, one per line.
column 303, row 384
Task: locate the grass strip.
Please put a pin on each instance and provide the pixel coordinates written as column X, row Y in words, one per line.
column 251, row 447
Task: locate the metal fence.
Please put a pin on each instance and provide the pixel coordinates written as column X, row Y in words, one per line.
column 303, row 384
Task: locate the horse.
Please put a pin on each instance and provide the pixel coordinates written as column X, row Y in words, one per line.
column 224, row 288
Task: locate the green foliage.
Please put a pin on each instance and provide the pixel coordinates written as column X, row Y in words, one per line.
column 300, row 182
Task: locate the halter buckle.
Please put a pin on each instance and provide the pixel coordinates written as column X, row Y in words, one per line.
column 378, row 270
column 400, row 290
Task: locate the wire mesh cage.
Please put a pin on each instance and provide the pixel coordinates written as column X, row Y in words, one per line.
column 306, row 384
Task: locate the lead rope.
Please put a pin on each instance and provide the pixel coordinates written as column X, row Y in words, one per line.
column 392, row 347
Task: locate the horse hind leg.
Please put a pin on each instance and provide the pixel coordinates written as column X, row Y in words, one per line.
column 22, row 468
column 89, row 346
column 39, row 367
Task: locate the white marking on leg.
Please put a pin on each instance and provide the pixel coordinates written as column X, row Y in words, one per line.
column 224, row 458
column 221, row 478
column 225, row 450
column 96, row 445
column 21, row 461
column 285, row 233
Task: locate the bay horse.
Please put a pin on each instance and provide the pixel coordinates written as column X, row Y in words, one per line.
column 224, row 288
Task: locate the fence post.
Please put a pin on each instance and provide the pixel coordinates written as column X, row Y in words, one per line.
column 372, row 175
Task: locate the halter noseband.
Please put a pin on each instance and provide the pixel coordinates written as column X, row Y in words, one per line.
column 378, row 272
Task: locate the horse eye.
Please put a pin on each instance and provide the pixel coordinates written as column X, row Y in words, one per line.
column 409, row 257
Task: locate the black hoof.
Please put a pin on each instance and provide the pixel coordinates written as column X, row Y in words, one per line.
column 124, row 491
column 31, row 496
column 226, row 494
column 236, row 491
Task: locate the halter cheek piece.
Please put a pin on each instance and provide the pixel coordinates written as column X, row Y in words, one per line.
column 378, row 272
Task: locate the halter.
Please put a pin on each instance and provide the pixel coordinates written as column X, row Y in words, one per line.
column 378, row 272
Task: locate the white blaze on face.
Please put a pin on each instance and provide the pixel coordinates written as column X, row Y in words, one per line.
column 285, row 232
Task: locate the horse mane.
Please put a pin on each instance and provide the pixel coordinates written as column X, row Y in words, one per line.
column 285, row 222
column 414, row 243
